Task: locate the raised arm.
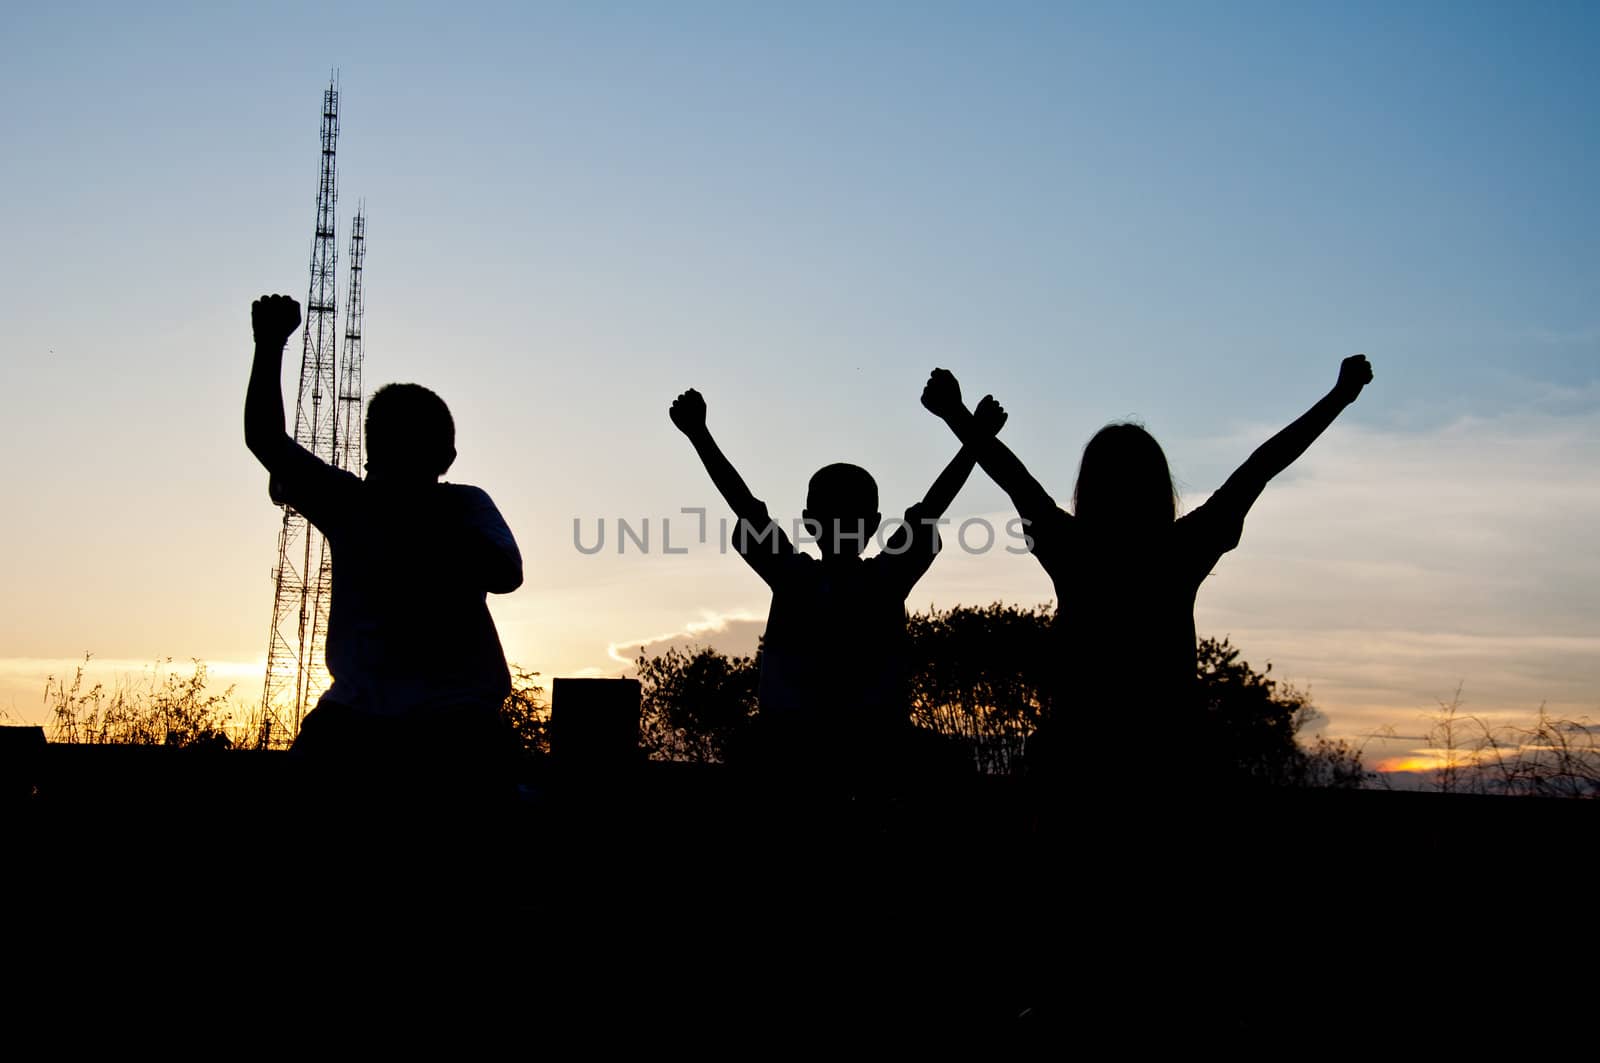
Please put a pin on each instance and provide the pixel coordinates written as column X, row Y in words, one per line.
column 1279, row 452
column 274, row 319
column 689, row 414
column 987, row 421
column 942, row 397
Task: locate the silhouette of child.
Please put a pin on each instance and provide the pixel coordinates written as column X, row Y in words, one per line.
column 418, row 672
column 833, row 658
column 1126, row 571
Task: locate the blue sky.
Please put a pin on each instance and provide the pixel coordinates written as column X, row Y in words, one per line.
column 1183, row 214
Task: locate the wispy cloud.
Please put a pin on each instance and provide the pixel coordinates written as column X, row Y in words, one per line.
column 1388, row 568
column 735, row 632
column 1582, row 336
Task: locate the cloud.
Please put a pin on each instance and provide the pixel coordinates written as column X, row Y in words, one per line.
column 1387, row 568
column 736, row 633
column 1582, row 336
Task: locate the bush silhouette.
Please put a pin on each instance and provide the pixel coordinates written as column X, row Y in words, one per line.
column 168, row 710
column 527, row 712
column 693, row 705
column 978, row 676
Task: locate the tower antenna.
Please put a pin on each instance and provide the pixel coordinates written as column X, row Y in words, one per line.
column 352, row 401
column 297, row 671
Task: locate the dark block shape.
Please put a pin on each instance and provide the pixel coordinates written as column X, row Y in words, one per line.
column 595, row 722
column 21, row 754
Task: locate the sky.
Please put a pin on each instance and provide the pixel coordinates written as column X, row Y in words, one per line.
column 1182, row 214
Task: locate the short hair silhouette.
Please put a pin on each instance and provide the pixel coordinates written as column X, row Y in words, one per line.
column 842, row 507
column 842, row 488
column 409, row 431
column 1124, row 480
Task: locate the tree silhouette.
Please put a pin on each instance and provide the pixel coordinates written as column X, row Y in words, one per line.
column 694, row 705
column 527, row 712
column 979, row 676
column 1253, row 722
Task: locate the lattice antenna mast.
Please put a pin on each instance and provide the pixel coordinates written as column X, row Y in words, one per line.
column 296, row 666
column 352, row 402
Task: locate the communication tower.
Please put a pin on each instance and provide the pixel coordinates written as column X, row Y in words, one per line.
column 327, row 422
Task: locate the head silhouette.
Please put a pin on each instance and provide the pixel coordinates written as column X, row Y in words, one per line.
column 1124, row 483
column 410, row 434
column 842, row 509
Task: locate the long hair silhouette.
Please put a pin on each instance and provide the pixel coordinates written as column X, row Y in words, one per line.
column 1124, row 480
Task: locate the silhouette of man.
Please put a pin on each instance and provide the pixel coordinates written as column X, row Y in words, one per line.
column 832, row 691
column 418, row 672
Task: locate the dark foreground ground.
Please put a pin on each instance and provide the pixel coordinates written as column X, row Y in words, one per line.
column 688, row 903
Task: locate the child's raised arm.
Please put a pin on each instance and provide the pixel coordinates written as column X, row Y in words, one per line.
column 913, row 545
column 1279, row 452
column 273, row 318
column 942, row 397
column 986, row 422
column 689, row 414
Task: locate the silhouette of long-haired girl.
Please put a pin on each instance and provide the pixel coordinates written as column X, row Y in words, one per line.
column 1126, row 570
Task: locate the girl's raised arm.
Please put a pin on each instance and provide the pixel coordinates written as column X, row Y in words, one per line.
column 1279, row 452
column 942, row 398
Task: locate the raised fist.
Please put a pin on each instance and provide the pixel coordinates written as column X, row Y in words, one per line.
column 274, row 318
column 689, row 411
column 989, row 416
column 1355, row 373
column 942, row 395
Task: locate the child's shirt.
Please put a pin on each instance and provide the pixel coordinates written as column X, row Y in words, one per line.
column 1125, row 605
column 835, row 643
